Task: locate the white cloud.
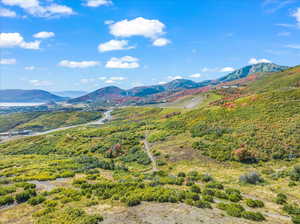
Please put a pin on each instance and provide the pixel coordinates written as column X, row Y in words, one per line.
column 293, row 46
column 160, row 42
column 16, row 40
column 114, row 45
column 34, row 8
column 35, row 45
column 22, row 3
column 10, row 39
column 8, row 61
column 97, row 3
column 78, row 64
column 296, row 14
column 175, row 77
column 44, row 35
column 162, row 83
column 40, row 83
column 137, row 27
column 56, row 9
column 126, row 62
column 30, row 68
column 7, row 13
column 197, row 75
column 102, row 78
column 110, row 81
column 227, row 69
column 285, row 25
column 257, row 61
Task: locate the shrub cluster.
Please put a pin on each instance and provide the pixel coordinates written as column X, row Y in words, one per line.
column 135, row 154
column 295, row 173
column 254, row 203
column 25, row 195
column 6, row 200
column 254, row 216
column 251, row 178
column 36, row 200
column 281, row 199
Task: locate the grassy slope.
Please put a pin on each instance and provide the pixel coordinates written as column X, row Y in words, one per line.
column 41, row 121
column 9, row 121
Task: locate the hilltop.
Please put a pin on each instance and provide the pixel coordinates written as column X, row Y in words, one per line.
column 28, row 96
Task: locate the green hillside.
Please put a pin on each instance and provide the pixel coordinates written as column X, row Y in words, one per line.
column 238, row 153
column 42, row 121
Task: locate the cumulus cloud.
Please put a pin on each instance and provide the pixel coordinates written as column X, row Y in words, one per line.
column 126, row 62
column 16, row 40
column 40, row 83
column 175, row 77
column 114, row 45
column 97, row 3
column 35, row 45
column 137, row 27
column 227, row 69
column 7, row 13
column 34, row 8
column 253, row 61
column 102, row 78
column 8, row 61
column 296, row 14
column 78, row 64
column 160, row 42
column 196, row 75
column 44, row 35
column 29, row 68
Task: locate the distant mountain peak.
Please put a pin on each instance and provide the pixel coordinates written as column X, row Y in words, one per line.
column 250, row 69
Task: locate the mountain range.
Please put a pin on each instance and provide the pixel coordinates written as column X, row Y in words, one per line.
column 112, row 95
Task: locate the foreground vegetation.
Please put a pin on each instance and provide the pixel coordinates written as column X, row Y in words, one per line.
column 237, row 154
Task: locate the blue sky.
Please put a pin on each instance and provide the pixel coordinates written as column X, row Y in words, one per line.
column 87, row 44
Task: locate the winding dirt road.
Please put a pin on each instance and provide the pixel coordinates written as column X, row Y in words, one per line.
column 107, row 116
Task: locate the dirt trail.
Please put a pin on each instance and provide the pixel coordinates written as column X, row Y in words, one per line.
column 148, row 151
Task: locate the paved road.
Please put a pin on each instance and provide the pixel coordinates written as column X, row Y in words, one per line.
column 106, row 117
